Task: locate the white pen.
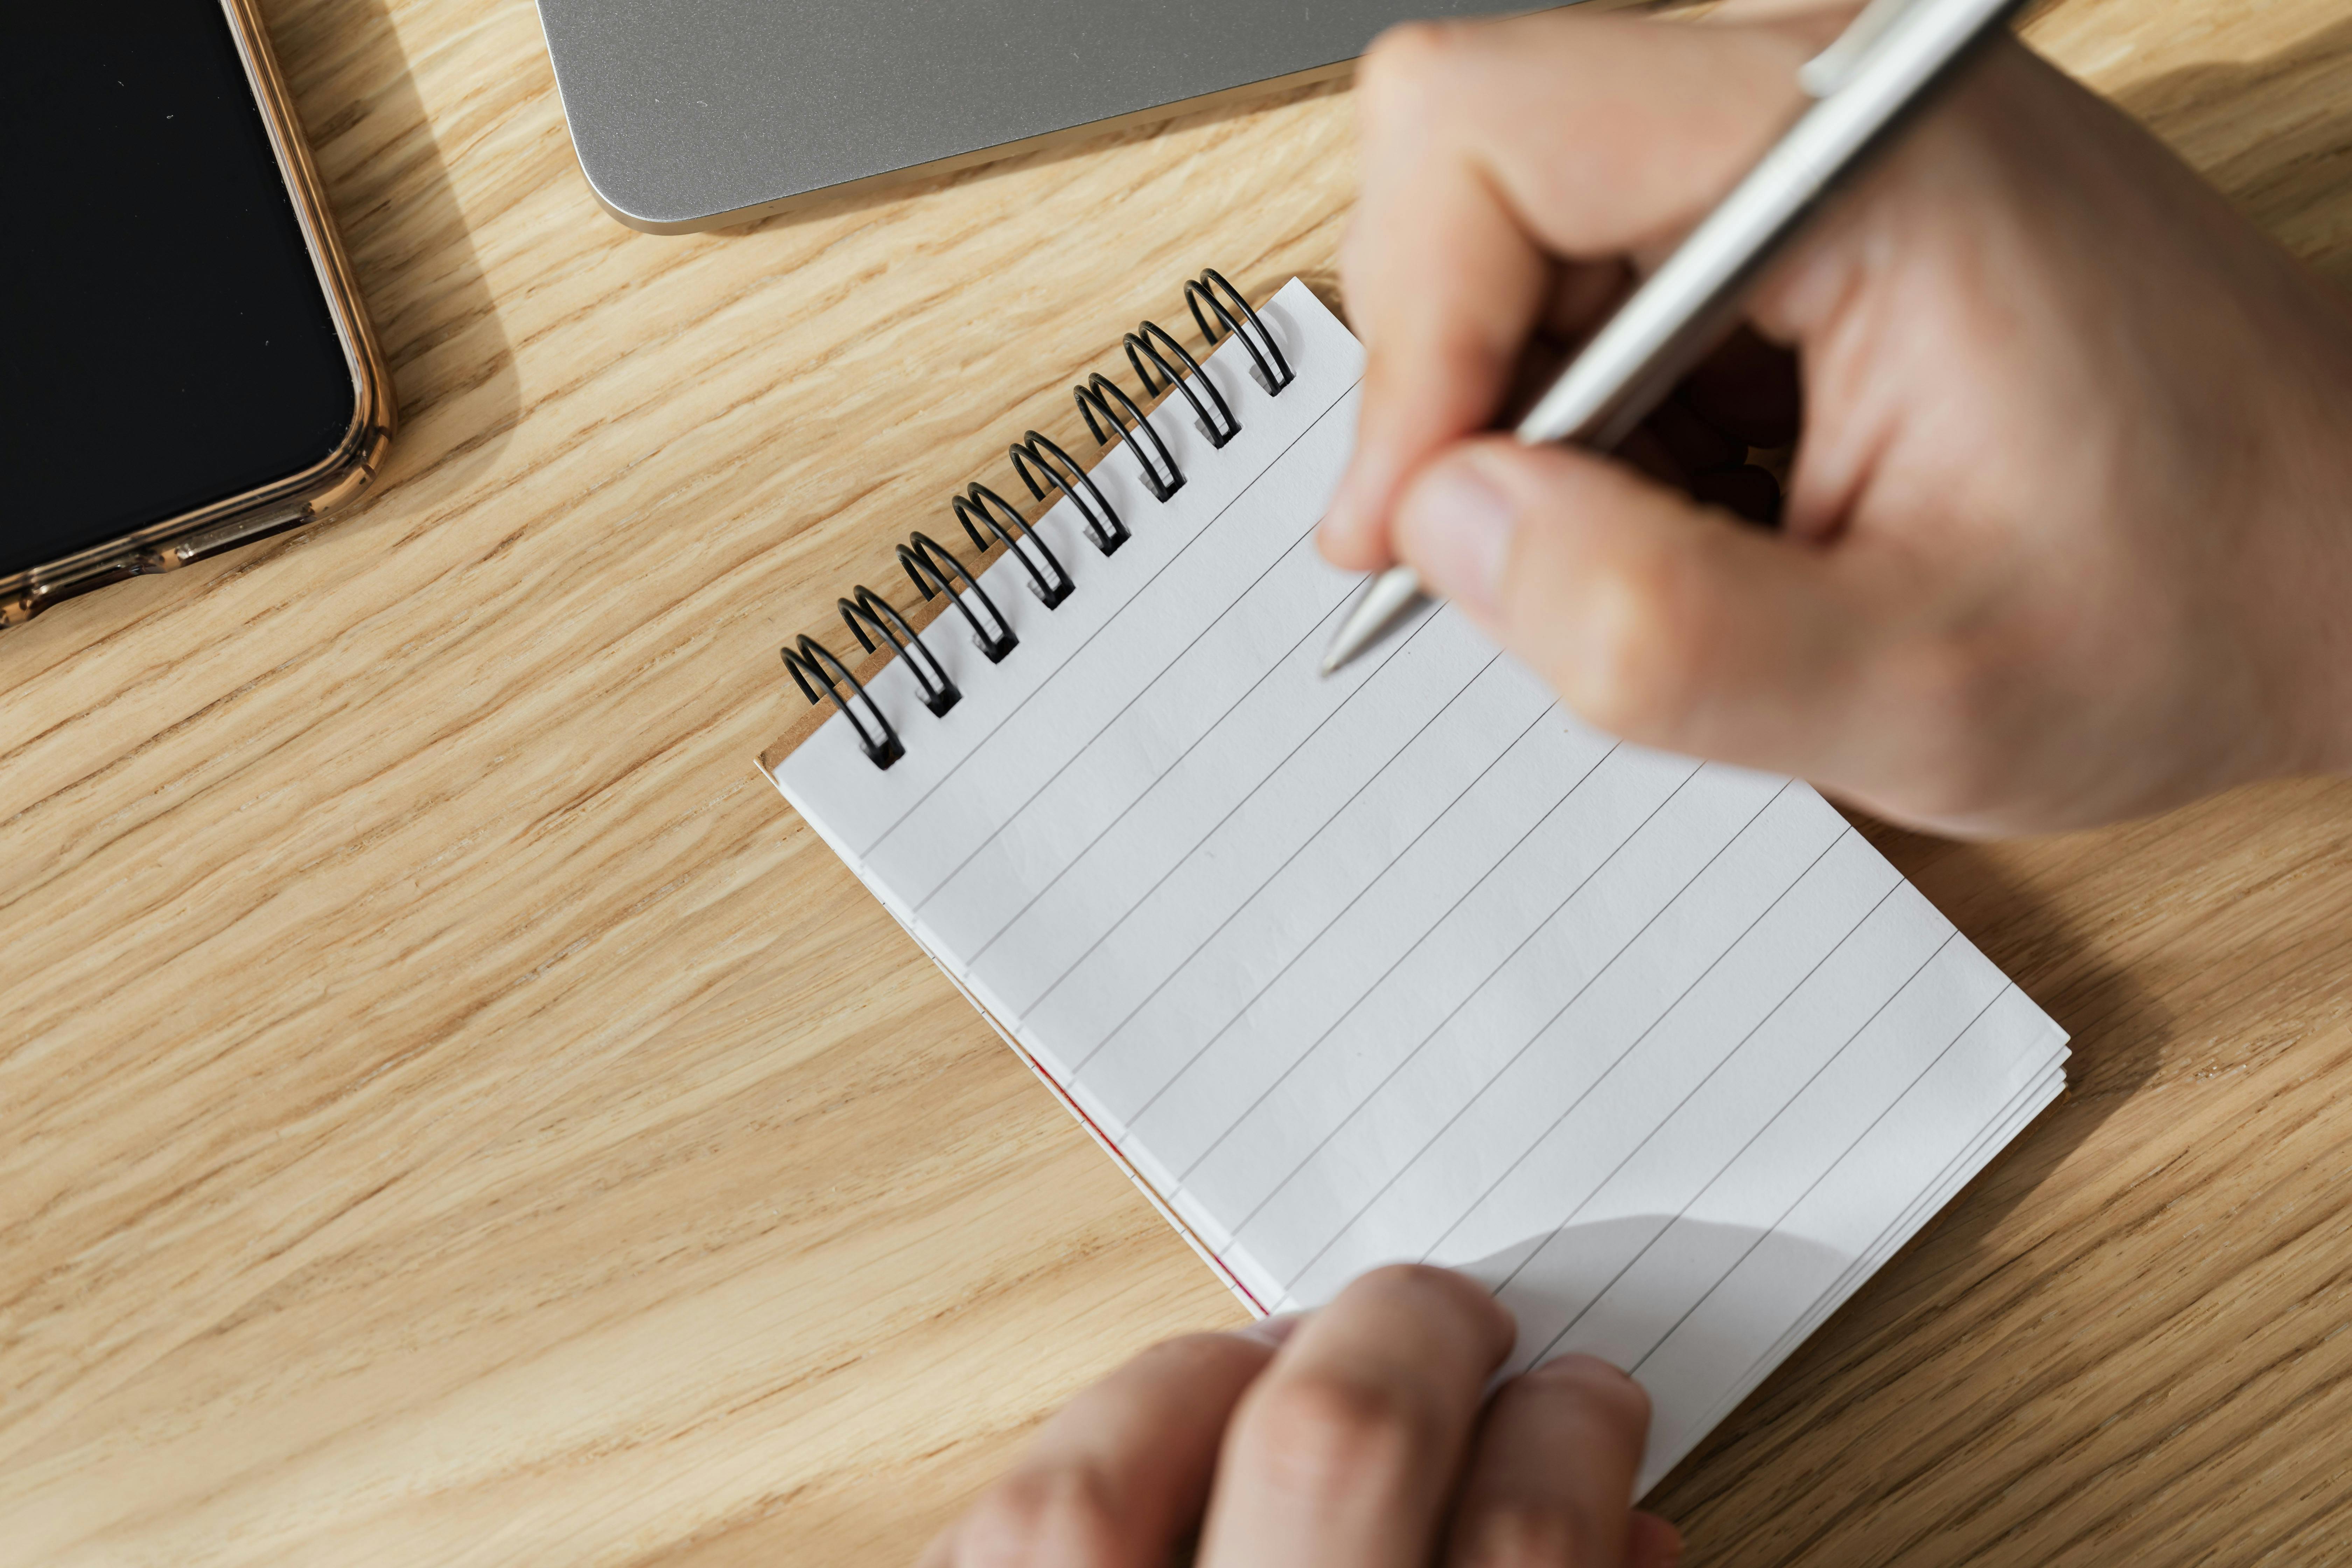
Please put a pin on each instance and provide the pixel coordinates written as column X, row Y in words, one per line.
column 1887, row 60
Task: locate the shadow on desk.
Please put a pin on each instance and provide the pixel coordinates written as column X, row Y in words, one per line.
column 409, row 237
column 2294, row 180
column 1936, row 1318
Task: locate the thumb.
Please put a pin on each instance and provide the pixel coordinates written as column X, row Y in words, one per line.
column 1658, row 619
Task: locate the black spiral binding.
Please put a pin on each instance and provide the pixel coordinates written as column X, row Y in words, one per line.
column 985, row 504
column 1103, row 525
column 871, row 609
column 1111, row 415
column 1140, row 347
column 1272, row 376
column 933, row 569
column 1090, row 403
column 807, row 661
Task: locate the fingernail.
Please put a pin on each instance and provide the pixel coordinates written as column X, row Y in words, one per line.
column 1271, row 1331
column 1455, row 527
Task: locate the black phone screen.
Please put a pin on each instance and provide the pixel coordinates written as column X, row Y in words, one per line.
column 169, row 341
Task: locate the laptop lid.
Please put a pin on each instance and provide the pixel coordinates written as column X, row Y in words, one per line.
column 689, row 114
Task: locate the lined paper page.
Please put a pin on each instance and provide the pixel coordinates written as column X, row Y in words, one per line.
column 1408, row 964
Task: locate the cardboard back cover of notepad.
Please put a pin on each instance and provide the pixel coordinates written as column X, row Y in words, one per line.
column 1409, row 964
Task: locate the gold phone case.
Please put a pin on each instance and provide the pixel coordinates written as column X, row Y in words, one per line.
column 297, row 498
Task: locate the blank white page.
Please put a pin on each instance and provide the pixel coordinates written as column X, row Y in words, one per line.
column 1409, row 964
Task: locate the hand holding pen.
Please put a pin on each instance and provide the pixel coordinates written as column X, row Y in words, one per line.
column 2057, row 544
column 2067, row 537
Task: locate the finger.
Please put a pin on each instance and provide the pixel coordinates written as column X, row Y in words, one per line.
column 1652, row 1543
column 1655, row 616
column 1121, row 1473
column 1641, row 125
column 1425, row 371
column 1346, row 1451
column 1550, row 1479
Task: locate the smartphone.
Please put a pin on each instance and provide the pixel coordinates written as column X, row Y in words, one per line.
column 185, row 366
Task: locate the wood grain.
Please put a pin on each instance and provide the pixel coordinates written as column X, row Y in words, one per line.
column 454, row 1113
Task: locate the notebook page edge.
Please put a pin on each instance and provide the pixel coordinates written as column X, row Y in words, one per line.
column 2031, row 1102
column 1152, row 1195
column 1159, row 1204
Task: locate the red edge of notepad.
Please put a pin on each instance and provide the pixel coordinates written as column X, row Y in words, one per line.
column 1159, row 1204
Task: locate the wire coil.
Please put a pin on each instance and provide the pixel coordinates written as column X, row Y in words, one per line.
column 1273, row 371
column 1090, row 403
column 933, row 569
column 871, row 609
column 1163, row 365
column 1140, row 347
column 985, row 505
column 1102, row 523
column 810, row 660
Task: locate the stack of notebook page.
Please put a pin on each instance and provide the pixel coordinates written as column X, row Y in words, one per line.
column 1408, row 962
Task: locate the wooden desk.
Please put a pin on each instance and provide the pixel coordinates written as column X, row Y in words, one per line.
column 451, row 1112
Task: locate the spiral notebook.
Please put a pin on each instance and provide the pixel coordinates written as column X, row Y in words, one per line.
column 1407, row 963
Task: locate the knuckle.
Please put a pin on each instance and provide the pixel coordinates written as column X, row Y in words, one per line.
column 1438, row 1289
column 1947, row 675
column 1196, row 1356
column 1954, row 650
column 1619, row 1405
column 1411, row 1276
column 1597, row 1381
column 1325, row 1435
column 1635, row 667
column 1060, row 1515
column 1523, row 1534
column 1459, row 352
column 1631, row 1400
column 1401, row 67
column 1952, row 686
column 1204, row 1349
